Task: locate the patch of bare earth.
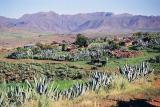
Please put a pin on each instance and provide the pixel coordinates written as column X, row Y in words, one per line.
column 132, row 100
column 156, row 101
column 19, row 42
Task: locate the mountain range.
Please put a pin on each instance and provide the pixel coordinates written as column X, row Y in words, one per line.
column 85, row 22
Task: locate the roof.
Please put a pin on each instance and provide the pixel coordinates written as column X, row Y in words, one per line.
column 29, row 45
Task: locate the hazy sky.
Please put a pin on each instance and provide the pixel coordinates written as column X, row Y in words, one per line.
column 16, row 8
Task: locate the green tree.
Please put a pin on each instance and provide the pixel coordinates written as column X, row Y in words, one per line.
column 64, row 45
column 81, row 40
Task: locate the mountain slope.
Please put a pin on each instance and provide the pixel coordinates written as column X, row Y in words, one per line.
column 94, row 22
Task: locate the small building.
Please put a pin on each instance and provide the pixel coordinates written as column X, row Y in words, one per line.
column 29, row 45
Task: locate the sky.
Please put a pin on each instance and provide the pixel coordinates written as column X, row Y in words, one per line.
column 17, row 8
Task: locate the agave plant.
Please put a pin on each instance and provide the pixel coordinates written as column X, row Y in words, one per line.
column 132, row 72
column 1, row 99
column 41, row 85
column 16, row 95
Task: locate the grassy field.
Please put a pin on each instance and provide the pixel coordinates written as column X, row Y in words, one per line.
column 114, row 63
column 61, row 84
column 135, row 60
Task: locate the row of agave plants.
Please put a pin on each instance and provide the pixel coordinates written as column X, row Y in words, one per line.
column 152, row 44
column 79, row 54
column 18, row 95
column 132, row 72
column 49, row 54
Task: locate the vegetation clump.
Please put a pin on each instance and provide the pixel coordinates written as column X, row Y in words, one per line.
column 133, row 72
column 27, row 71
column 81, row 40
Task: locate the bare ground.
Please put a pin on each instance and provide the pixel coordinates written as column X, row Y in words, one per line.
column 18, row 42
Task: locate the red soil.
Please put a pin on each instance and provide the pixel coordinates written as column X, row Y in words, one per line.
column 126, row 54
column 155, row 102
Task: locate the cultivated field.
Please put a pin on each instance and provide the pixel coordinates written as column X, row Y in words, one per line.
column 77, row 71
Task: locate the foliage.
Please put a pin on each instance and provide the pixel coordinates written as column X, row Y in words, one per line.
column 44, row 46
column 155, row 59
column 23, row 71
column 146, row 35
column 63, row 47
column 156, row 68
column 43, row 88
column 132, row 72
column 146, row 41
column 81, row 40
column 113, row 45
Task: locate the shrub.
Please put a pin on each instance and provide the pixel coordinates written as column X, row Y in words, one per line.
column 81, row 40
column 63, row 47
column 155, row 59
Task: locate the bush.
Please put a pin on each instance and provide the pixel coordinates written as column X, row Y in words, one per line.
column 81, row 40
column 63, row 47
column 155, row 59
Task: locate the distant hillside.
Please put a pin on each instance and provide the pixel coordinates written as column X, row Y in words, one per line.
column 89, row 22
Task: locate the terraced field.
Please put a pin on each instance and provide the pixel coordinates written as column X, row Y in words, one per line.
column 132, row 81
